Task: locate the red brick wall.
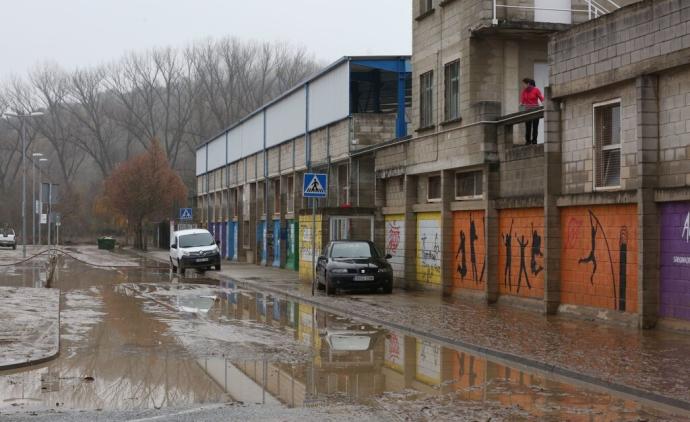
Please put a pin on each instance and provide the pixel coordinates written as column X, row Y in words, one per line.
column 615, row 240
column 520, row 268
column 470, row 272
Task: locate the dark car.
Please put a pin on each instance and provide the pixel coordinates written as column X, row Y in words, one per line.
column 353, row 265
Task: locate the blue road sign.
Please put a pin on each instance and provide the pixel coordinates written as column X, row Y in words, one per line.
column 185, row 213
column 315, row 185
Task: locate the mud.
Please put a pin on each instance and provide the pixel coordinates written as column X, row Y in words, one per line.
column 141, row 338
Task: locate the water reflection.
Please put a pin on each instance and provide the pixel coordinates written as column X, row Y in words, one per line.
column 357, row 362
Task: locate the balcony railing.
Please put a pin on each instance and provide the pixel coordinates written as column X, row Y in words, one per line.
column 593, row 9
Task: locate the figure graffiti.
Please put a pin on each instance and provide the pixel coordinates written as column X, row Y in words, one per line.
column 536, row 251
column 507, row 271
column 522, row 242
column 430, row 257
column 595, row 225
column 686, row 229
column 592, row 257
column 462, row 266
column 473, row 255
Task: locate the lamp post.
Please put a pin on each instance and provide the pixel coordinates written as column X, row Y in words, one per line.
column 33, row 195
column 23, row 140
column 39, row 202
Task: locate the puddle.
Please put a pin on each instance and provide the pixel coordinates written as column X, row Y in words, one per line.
column 137, row 339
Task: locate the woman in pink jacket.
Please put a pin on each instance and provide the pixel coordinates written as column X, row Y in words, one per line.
column 530, row 98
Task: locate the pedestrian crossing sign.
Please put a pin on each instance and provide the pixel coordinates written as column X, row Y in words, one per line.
column 315, row 185
column 185, row 214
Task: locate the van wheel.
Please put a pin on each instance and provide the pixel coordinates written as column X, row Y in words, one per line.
column 14, row 247
column 217, row 267
column 180, row 268
column 174, row 268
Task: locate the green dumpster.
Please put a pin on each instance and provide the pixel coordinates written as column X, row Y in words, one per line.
column 107, row 243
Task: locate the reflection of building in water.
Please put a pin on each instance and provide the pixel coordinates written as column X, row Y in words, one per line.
column 357, row 362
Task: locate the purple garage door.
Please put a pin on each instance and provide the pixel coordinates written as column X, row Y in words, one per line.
column 675, row 260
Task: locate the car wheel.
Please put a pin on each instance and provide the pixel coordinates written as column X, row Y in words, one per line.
column 330, row 290
column 180, row 268
column 320, row 282
column 217, row 267
column 172, row 265
column 388, row 288
column 14, row 247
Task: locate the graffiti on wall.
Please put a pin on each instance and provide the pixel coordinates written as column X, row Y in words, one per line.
column 429, row 247
column 521, row 254
column 598, row 259
column 395, row 243
column 674, row 227
column 306, row 240
column 468, row 246
column 394, row 352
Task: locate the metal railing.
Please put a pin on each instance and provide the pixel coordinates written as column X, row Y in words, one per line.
column 595, row 8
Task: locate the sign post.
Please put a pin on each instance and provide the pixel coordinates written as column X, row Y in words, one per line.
column 315, row 186
column 186, row 214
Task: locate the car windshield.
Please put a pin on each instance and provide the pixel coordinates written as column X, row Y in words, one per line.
column 352, row 250
column 196, row 239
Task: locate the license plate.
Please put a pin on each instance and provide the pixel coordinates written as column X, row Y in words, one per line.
column 202, row 260
column 364, row 278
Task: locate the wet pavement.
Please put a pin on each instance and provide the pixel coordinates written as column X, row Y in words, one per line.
column 142, row 343
column 649, row 363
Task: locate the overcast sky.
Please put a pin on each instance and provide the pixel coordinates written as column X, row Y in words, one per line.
column 79, row 33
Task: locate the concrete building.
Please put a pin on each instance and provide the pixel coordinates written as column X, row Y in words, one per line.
column 618, row 164
column 250, row 175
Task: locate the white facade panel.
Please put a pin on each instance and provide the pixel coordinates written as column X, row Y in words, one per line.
column 253, row 135
column 216, row 153
column 234, row 144
column 285, row 119
column 201, row 161
column 329, row 97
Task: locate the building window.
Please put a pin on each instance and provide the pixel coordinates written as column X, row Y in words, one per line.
column 468, row 185
column 452, row 90
column 433, row 192
column 607, row 144
column 343, row 184
column 426, row 100
column 425, row 6
column 276, row 196
column 290, row 200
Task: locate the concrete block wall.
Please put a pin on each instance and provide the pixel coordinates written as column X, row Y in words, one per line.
column 674, row 128
column 578, row 144
column 646, row 37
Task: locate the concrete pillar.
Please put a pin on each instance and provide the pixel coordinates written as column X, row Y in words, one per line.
column 646, row 93
column 552, row 190
column 447, row 196
column 491, row 180
column 379, row 218
column 410, row 189
column 283, row 221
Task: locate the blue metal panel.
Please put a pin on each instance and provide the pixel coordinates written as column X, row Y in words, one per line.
column 276, row 243
column 387, row 65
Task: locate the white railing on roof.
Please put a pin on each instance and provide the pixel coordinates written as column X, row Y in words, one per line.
column 595, row 8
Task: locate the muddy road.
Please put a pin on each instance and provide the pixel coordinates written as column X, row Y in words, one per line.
column 138, row 342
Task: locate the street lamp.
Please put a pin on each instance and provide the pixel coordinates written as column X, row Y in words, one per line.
column 22, row 136
column 33, row 195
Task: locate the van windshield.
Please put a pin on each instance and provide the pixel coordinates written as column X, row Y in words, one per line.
column 195, row 240
column 7, row 232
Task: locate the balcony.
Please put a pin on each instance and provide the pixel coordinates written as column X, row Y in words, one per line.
column 542, row 16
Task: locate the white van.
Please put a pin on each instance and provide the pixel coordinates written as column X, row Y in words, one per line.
column 194, row 248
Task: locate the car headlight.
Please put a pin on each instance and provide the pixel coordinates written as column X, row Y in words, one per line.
column 185, row 253
column 384, row 270
column 339, row 271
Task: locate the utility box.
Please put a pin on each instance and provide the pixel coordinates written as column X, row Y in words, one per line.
column 107, row 243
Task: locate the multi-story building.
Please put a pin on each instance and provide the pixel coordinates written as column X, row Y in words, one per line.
column 250, row 175
column 593, row 219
